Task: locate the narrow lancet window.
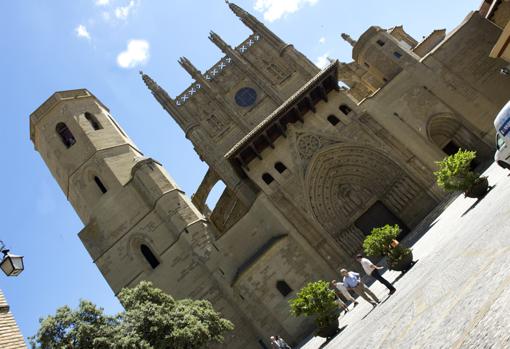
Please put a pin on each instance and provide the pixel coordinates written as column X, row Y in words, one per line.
column 149, row 256
column 65, row 134
column 100, row 185
column 96, row 125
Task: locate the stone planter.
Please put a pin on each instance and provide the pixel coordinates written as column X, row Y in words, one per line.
column 330, row 330
column 478, row 189
column 401, row 264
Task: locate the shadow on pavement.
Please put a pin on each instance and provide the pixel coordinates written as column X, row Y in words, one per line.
column 404, row 272
column 340, row 330
column 478, row 200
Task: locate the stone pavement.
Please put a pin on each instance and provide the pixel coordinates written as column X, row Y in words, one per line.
column 456, row 296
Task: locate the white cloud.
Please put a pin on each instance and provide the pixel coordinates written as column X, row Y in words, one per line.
column 82, row 32
column 137, row 53
column 276, row 9
column 102, row 2
column 122, row 12
column 322, row 61
column 322, row 40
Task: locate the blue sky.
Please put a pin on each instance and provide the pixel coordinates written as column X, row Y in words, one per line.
column 57, row 45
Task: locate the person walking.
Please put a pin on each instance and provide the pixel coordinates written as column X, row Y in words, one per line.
column 279, row 343
column 373, row 270
column 342, row 291
column 341, row 304
column 353, row 282
column 274, row 344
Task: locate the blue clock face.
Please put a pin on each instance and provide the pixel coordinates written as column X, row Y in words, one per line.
column 246, row 97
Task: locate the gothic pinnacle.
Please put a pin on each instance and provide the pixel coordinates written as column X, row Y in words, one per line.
column 189, row 67
column 348, row 38
column 151, row 84
column 218, row 41
column 238, row 11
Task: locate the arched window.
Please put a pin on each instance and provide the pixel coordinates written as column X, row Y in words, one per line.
column 96, row 125
column 65, row 134
column 280, row 167
column 149, row 256
column 333, row 120
column 100, row 185
column 283, row 287
column 267, row 178
column 344, row 109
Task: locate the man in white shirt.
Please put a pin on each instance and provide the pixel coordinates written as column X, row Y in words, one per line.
column 373, row 270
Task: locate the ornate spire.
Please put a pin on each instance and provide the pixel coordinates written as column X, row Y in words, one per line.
column 238, row 11
column 218, row 41
column 348, row 38
column 189, row 67
column 162, row 97
column 254, row 24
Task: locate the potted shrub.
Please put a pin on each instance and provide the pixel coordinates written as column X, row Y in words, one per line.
column 455, row 174
column 316, row 299
column 382, row 241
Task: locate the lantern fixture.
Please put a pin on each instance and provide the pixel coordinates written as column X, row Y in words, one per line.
column 11, row 264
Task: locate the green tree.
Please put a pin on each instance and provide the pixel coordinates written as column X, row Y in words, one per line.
column 151, row 320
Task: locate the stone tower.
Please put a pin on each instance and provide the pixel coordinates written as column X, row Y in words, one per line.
column 310, row 168
column 138, row 224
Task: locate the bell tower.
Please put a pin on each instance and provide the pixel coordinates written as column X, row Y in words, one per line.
column 138, row 224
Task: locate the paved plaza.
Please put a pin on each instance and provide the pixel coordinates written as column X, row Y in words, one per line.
column 457, row 295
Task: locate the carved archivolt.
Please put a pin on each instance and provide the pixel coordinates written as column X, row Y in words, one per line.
column 343, row 181
column 442, row 128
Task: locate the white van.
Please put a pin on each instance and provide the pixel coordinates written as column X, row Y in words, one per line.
column 502, row 125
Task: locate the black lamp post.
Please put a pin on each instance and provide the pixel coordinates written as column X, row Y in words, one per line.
column 11, row 264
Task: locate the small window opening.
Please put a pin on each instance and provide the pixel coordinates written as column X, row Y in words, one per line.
column 283, row 287
column 100, row 185
column 333, row 120
column 149, row 256
column 397, row 54
column 65, row 134
column 280, row 167
column 267, row 178
column 380, row 42
column 345, row 109
column 96, row 125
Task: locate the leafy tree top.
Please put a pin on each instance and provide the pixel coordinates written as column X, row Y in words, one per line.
column 316, row 298
column 151, row 320
column 378, row 242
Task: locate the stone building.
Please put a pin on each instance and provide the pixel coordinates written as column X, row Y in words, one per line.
column 309, row 166
column 10, row 335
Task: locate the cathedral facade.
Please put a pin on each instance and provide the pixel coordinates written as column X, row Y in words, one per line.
column 310, row 165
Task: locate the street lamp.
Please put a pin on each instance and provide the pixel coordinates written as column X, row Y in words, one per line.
column 11, row 264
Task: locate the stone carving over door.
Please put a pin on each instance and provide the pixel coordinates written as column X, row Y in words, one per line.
column 343, row 181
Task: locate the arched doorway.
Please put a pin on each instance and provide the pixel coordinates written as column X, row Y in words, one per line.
column 448, row 133
column 352, row 189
